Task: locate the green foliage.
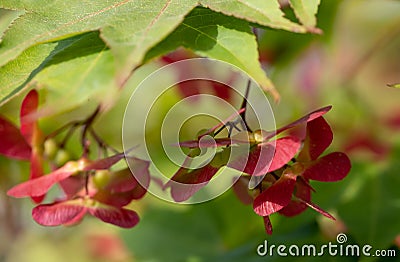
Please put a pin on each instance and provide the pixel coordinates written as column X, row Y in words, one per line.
column 131, row 24
column 45, row 34
column 16, row 74
column 126, row 27
column 375, row 196
column 81, row 79
column 305, row 11
column 217, row 36
column 265, row 13
column 7, row 16
column 199, row 232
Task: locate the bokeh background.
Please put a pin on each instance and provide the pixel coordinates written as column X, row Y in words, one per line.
column 348, row 66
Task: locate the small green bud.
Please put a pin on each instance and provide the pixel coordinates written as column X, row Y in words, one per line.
column 101, row 178
column 50, row 148
column 62, row 157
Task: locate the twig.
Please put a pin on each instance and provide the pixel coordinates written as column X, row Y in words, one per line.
column 244, row 105
column 101, row 142
column 87, row 123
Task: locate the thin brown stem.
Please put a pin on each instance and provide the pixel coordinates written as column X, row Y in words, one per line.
column 68, row 135
column 63, row 128
column 242, row 113
column 87, row 124
column 244, row 105
column 101, row 143
column 222, row 124
column 274, row 175
column 87, row 182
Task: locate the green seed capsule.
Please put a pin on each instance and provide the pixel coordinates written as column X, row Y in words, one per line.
column 101, row 178
column 50, row 148
column 62, row 157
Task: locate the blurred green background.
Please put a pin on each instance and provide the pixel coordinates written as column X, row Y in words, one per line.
column 349, row 67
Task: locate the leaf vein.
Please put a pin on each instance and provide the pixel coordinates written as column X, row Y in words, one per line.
column 151, row 24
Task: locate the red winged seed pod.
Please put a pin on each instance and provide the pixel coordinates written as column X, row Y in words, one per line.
column 25, row 143
column 287, row 163
column 88, row 186
column 290, row 191
column 101, row 193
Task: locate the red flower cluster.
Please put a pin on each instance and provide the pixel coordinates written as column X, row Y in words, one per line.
column 88, row 186
column 284, row 165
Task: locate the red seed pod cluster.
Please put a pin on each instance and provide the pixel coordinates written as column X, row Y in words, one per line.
column 88, row 186
column 281, row 161
column 285, row 165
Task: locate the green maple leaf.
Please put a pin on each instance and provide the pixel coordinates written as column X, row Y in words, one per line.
column 128, row 27
column 217, row 36
column 41, row 62
column 265, row 13
column 42, row 31
column 305, row 11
